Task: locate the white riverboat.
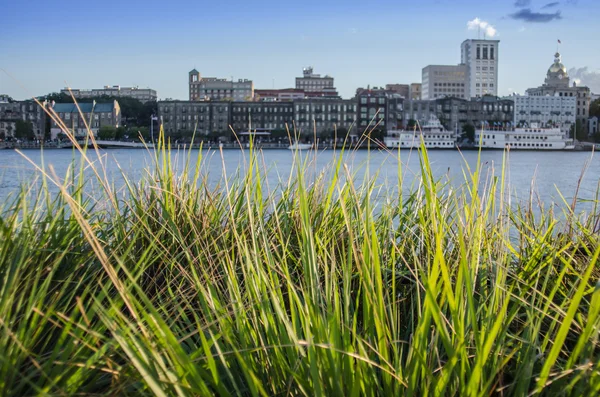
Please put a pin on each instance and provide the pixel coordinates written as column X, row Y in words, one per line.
column 300, row 146
column 527, row 138
column 433, row 134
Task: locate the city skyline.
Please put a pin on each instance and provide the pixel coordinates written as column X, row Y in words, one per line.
column 357, row 44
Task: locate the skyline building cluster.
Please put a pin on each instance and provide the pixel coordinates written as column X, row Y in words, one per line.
column 449, row 92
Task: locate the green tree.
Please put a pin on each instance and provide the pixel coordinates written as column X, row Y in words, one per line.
column 107, row 133
column 412, row 123
column 595, row 108
column 9, row 98
column 24, row 130
column 325, row 135
column 469, row 131
column 279, row 134
column 47, row 129
column 578, row 132
column 144, row 132
column 120, row 133
column 341, row 134
column 10, row 131
column 377, row 134
column 57, row 97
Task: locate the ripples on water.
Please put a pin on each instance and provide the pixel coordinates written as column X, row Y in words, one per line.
column 550, row 171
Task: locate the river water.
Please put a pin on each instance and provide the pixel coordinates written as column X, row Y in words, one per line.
column 544, row 173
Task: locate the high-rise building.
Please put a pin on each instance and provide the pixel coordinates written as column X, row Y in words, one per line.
column 481, row 60
column 439, row 81
column 314, row 85
column 212, row 88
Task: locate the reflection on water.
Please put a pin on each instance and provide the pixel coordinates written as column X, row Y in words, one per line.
column 550, row 172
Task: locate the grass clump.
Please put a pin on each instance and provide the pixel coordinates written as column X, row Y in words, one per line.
column 174, row 288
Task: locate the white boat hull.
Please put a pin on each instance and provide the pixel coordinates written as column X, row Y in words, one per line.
column 398, row 143
column 433, row 135
column 300, row 146
column 542, row 139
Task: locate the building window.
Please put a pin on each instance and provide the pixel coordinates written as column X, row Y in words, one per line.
column 485, row 52
column 492, row 53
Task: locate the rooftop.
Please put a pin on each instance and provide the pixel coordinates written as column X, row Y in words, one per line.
column 85, row 107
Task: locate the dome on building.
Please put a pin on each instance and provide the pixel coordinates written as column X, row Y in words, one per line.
column 557, row 67
column 557, row 75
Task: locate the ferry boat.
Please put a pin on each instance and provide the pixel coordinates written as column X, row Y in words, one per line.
column 525, row 138
column 434, row 135
column 300, row 146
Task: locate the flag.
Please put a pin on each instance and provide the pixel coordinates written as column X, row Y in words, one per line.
column 559, row 42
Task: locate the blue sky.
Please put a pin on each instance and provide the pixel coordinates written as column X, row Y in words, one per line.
column 45, row 45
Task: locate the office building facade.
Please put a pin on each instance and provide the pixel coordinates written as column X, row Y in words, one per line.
column 439, row 81
column 480, row 58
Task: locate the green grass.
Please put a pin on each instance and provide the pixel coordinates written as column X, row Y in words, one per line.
column 175, row 288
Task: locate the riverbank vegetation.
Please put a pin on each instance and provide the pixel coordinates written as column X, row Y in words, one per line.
column 312, row 287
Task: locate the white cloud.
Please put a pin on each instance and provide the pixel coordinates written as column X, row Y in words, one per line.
column 483, row 26
column 586, row 77
column 522, row 29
